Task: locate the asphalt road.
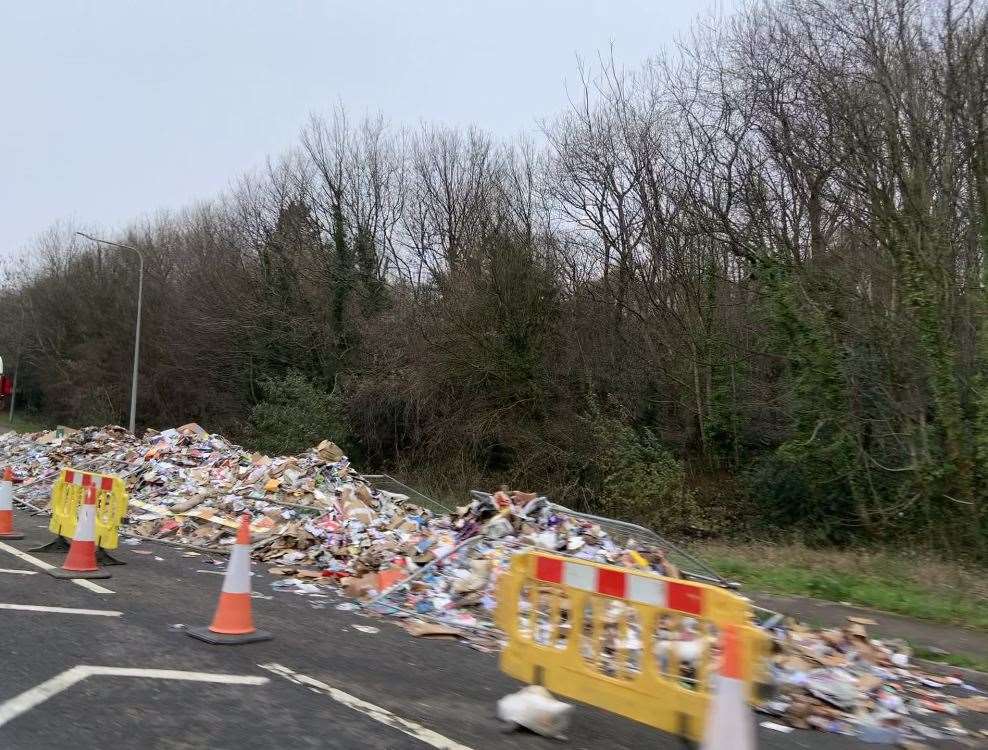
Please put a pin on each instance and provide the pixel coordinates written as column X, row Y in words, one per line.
column 377, row 680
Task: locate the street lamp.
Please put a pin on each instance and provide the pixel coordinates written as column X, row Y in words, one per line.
column 137, row 331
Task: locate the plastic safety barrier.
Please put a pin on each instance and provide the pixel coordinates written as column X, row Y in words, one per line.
column 633, row 643
column 111, row 504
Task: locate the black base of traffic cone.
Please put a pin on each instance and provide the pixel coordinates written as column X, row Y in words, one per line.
column 61, row 544
column 58, row 544
column 12, row 535
column 221, row 639
column 62, row 573
column 104, row 558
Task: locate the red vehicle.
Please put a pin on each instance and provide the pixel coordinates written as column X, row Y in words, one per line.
column 6, row 387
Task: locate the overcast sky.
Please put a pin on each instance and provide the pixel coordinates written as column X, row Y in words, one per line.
column 110, row 110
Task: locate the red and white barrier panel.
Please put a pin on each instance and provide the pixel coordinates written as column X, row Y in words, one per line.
column 89, row 480
column 677, row 595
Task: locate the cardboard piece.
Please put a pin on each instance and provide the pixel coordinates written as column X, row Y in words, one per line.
column 977, row 703
column 861, row 620
column 422, row 629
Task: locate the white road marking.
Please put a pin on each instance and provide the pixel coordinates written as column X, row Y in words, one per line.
column 46, row 566
column 19, row 572
column 62, row 610
column 377, row 713
column 21, row 704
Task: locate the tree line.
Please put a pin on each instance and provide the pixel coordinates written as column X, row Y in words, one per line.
column 741, row 287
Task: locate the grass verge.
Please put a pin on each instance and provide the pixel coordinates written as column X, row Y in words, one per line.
column 29, row 423
column 952, row 660
column 908, row 584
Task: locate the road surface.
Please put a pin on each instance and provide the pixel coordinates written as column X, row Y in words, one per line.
column 119, row 673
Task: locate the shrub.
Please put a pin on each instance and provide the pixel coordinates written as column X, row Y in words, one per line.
column 296, row 414
column 637, row 478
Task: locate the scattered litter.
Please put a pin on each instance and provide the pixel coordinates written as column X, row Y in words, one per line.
column 422, row 629
column 777, row 727
column 843, row 681
column 177, row 626
column 861, row 621
column 347, row 607
column 366, row 629
column 296, row 586
column 535, row 709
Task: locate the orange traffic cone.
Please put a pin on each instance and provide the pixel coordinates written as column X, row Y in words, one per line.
column 7, row 506
column 81, row 560
column 729, row 722
column 233, row 622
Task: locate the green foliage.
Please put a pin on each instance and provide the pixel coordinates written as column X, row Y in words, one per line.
column 637, row 478
column 954, row 660
column 813, row 480
column 277, row 340
column 295, row 415
column 721, row 424
column 980, row 389
column 373, row 290
column 28, row 422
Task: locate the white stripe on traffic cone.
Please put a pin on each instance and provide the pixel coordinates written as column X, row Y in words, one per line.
column 7, row 506
column 81, row 560
column 237, row 578
column 729, row 722
column 234, row 622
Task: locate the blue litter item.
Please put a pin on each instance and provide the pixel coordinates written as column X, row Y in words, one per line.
column 424, row 545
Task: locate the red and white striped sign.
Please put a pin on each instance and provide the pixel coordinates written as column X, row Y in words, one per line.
column 82, row 479
column 620, row 584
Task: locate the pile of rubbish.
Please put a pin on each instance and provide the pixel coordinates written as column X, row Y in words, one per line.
column 319, row 526
column 315, row 520
column 840, row 680
column 190, row 487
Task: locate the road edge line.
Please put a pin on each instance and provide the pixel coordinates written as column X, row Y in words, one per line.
column 95, row 587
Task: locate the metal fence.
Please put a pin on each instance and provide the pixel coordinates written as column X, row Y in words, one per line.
column 690, row 566
column 388, row 483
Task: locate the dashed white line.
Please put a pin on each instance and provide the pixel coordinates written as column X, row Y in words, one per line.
column 15, row 571
column 62, row 610
column 21, row 704
column 46, row 566
column 382, row 715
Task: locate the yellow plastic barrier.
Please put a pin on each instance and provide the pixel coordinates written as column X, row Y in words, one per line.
column 111, row 504
column 633, row 643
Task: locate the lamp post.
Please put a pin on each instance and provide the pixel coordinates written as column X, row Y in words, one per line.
column 137, row 330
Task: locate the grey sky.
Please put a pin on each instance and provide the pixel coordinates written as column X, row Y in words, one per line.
column 112, row 110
